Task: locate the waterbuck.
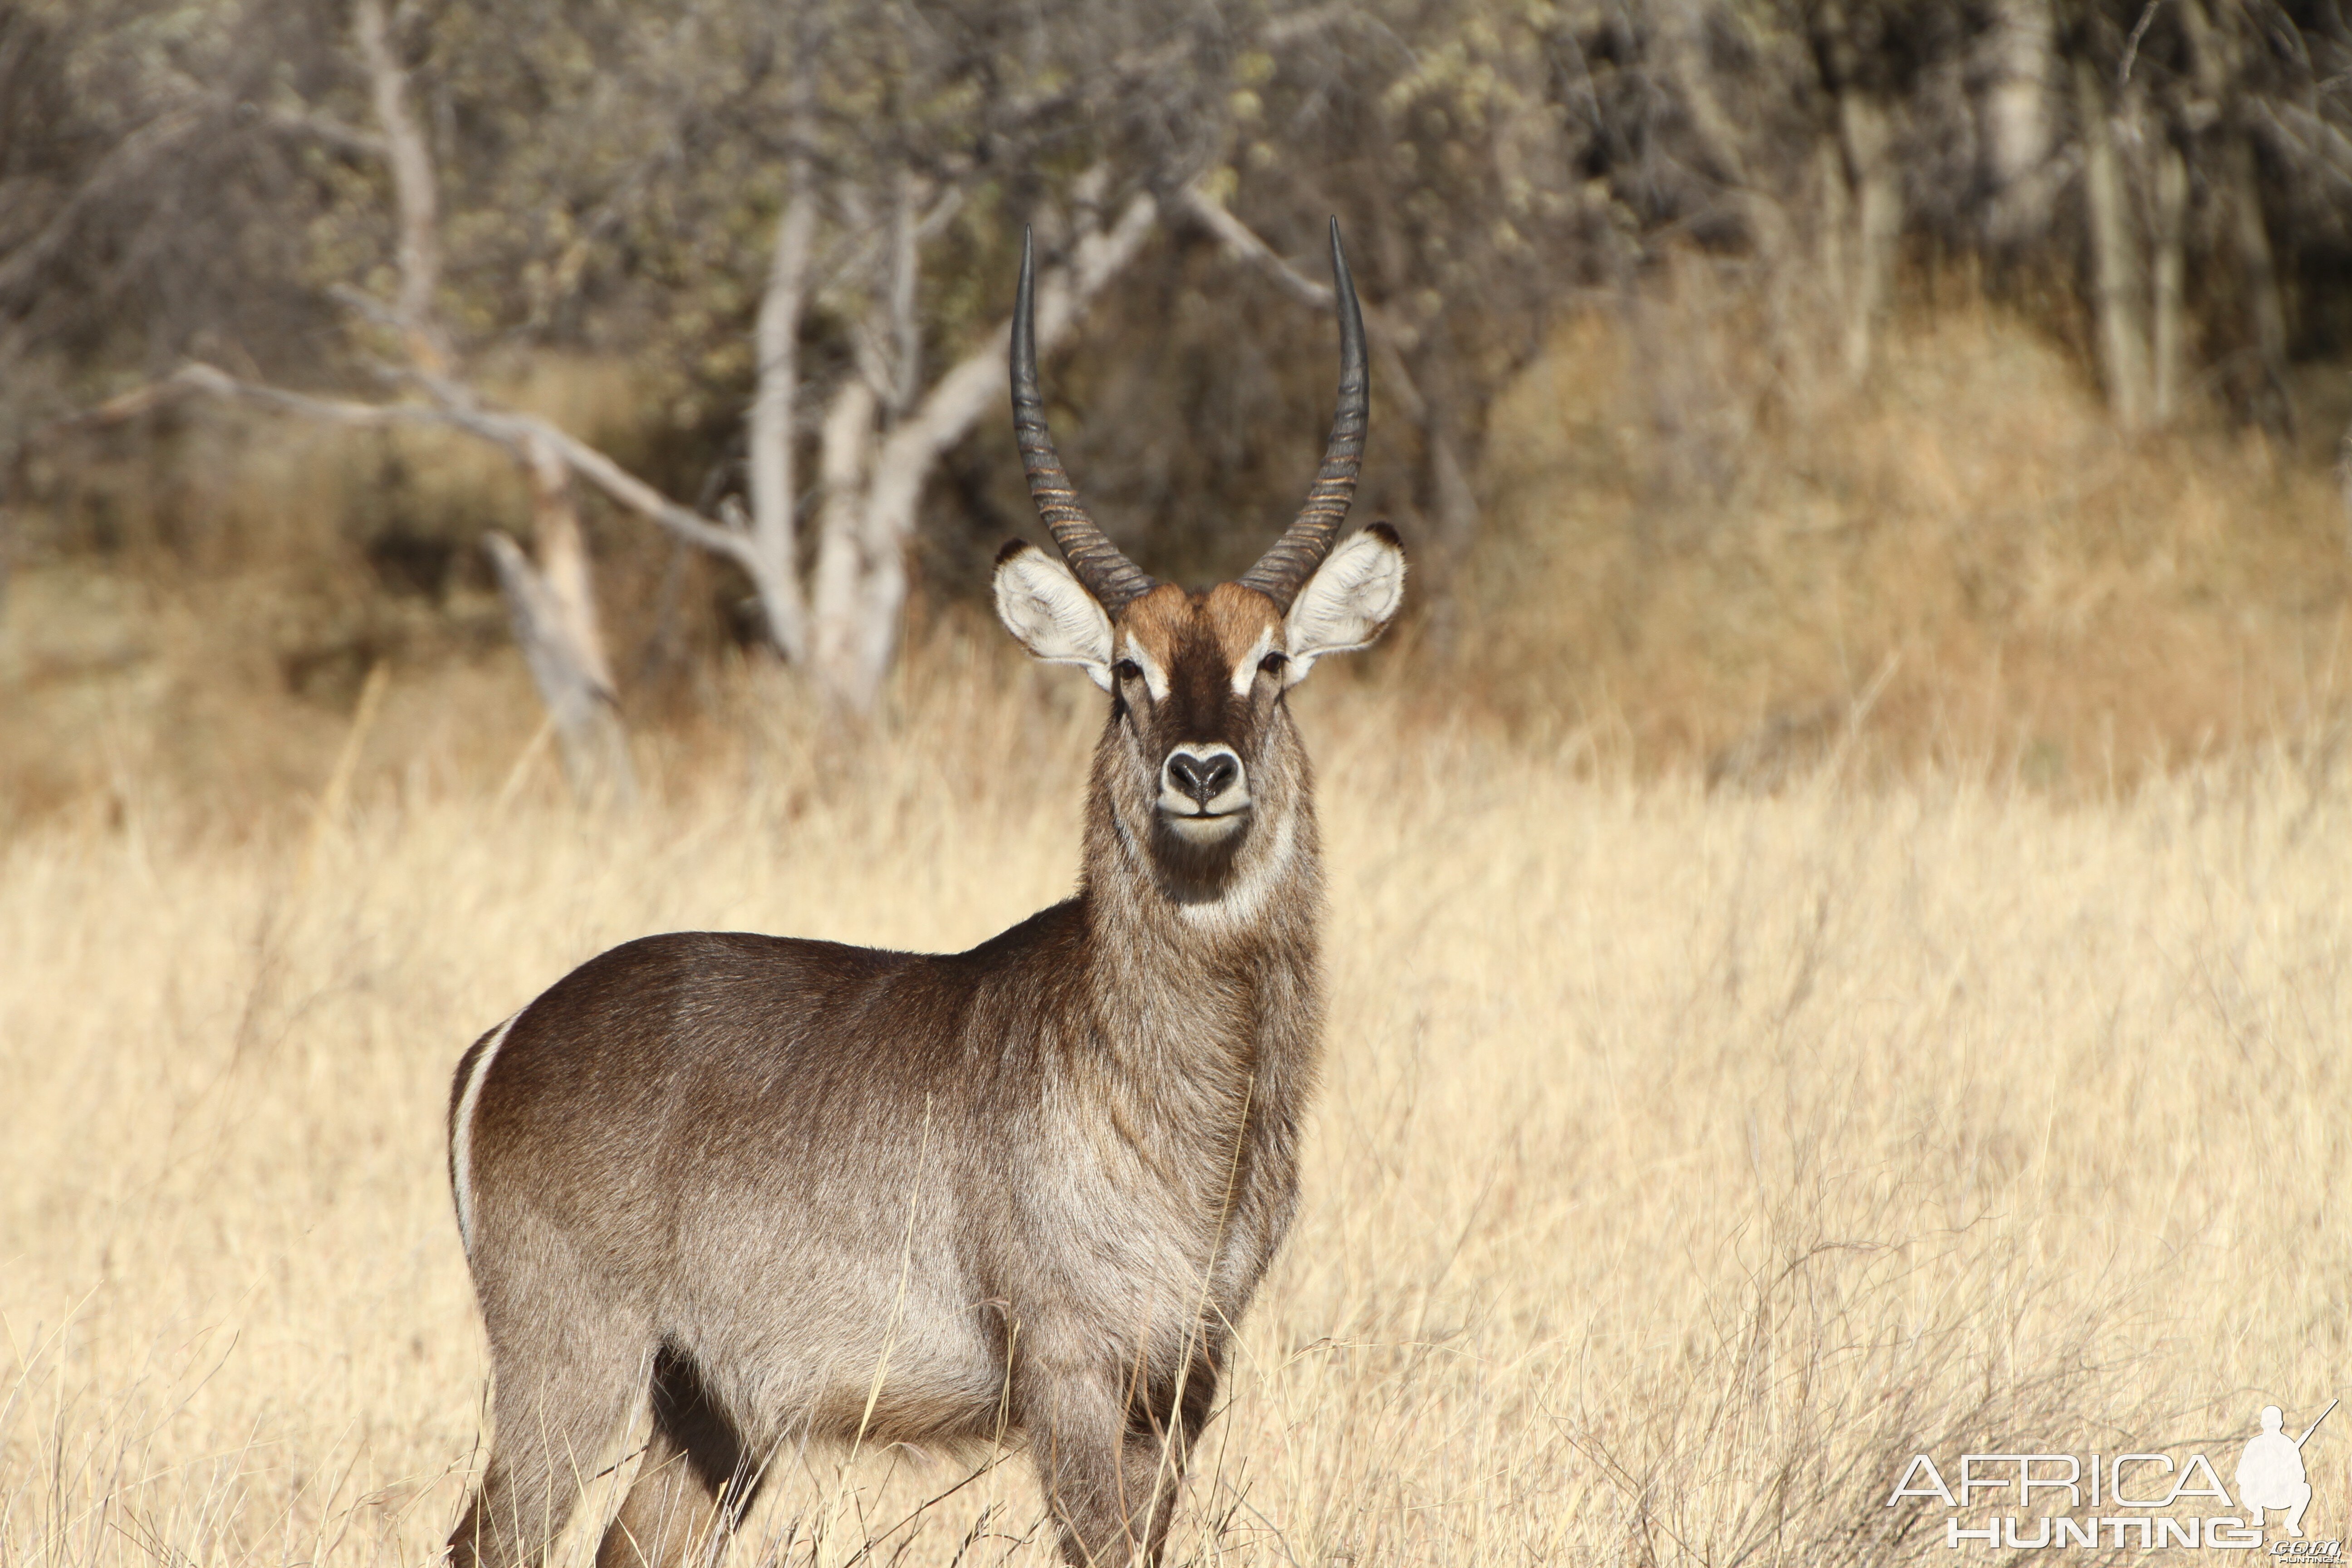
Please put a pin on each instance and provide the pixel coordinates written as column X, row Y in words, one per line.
column 791, row 1190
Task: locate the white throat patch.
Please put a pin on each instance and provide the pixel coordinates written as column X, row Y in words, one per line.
column 1245, row 901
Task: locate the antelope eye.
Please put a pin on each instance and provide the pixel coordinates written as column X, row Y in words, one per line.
column 1272, row 663
column 1127, row 669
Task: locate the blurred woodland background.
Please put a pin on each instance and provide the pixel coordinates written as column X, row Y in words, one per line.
column 1837, row 936
column 1754, row 381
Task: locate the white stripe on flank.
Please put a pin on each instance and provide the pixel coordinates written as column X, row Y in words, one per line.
column 461, row 1137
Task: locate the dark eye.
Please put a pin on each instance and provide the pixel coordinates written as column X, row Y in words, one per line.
column 1272, row 663
column 1127, row 669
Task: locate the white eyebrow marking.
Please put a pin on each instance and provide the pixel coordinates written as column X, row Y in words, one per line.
column 1155, row 679
column 1246, row 672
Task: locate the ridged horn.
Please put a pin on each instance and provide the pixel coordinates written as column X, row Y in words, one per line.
column 1282, row 571
column 1096, row 563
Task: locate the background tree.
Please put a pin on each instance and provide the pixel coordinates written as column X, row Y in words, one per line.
column 796, row 226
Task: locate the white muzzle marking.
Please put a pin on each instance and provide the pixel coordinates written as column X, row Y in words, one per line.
column 1190, row 817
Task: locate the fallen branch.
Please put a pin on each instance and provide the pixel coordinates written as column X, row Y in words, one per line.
column 512, row 430
column 879, row 453
column 554, row 609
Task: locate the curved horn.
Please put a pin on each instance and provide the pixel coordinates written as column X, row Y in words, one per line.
column 1282, row 571
column 1096, row 563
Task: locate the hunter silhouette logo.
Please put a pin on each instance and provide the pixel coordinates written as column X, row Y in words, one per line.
column 2270, row 1473
column 2144, row 1501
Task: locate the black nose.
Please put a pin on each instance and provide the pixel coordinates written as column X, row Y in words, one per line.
column 1204, row 778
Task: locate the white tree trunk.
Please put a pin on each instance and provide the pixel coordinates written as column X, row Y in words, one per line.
column 872, row 492
column 776, row 572
column 2022, row 50
column 1867, row 134
column 2167, row 303
column 841, row 563
column 2119, row 294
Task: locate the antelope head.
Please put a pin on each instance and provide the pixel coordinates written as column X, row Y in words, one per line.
column 1200, row 752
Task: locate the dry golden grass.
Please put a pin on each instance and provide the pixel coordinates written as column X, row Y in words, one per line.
column 1685, row 1162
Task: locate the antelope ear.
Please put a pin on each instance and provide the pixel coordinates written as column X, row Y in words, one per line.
column 1049, row 613
column 1348, row 603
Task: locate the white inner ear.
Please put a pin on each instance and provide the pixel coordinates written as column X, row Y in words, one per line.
column 1346, row 604
column 1054, row 617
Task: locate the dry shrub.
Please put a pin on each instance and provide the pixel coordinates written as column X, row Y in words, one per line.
column 1703, row 558
column 193, row 611
column 1685, row 1161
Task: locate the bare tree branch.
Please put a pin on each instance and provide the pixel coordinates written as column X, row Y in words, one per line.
column 414, row 191
column 2309, row 141
column 1243, row 242
column 511, row 430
